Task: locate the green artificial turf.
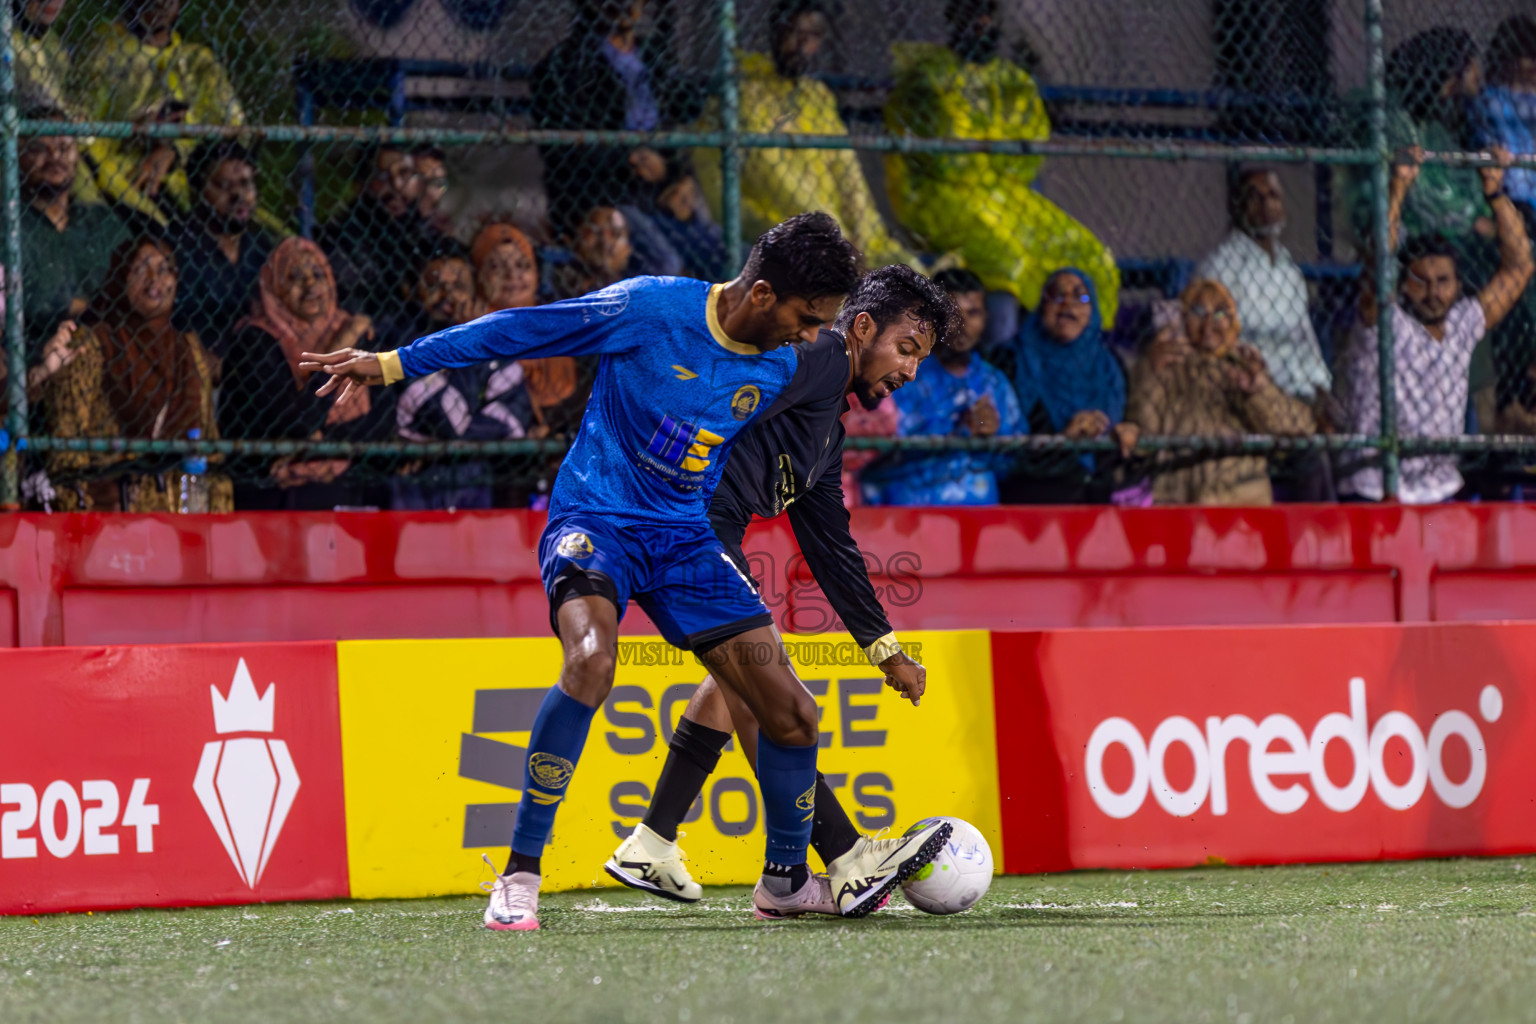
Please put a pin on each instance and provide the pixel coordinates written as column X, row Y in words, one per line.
column 1428, row 940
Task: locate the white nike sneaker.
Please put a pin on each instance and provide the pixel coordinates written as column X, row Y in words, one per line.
column 862, row 878
column 647, row 862
column 514, row 901
column 814, row 897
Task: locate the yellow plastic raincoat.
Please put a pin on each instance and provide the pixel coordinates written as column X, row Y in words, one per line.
column 42, row 73
column 121, row 78
column 779, row 183
column 981, row 204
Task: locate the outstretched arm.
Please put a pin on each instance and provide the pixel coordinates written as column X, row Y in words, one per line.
column 1503, row 290
column 574, row 327
column 820, row 522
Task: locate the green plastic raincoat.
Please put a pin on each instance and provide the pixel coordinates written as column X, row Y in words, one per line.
column 981, row 204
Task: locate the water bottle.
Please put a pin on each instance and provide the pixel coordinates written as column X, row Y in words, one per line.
column 194, row 480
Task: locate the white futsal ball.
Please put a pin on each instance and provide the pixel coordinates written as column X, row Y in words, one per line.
column 957, row 877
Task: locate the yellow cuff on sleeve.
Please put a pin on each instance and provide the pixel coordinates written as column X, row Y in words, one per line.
column 389, row 365
column 882, row 649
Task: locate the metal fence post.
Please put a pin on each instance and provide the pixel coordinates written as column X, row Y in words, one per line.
column 1386, row 284
column 10, row 218
column 730, row 153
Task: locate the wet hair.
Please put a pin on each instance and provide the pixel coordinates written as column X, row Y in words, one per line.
column 1420, row 247
column 958, row 281
column 205, row 159
column 890, row 293
column 1514, row 40
column 805, row 257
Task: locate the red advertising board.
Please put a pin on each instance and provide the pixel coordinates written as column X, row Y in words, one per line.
column 1172, row 747
column 134, row 776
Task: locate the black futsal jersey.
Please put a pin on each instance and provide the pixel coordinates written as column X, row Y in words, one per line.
column 791, row 460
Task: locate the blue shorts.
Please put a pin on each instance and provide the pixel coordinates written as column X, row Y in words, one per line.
column 681, row 575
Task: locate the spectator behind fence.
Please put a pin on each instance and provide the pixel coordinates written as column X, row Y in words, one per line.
column 1435, row 327
column 955, row 394
column 138, row 68
column 1197, row 380
column 600, row 254
column 1068, row 382
column 979, row 204
column 41, row 58
column 135, row 376
column 66, row 244
column 266, row 396
column 507, row 275
column 1430, row 78
column 506, row 267
column 881, row 421
column 1505, row 115
column 682, row 218
column 219, row 249
column 42, row 72
column 432, row 167
column 1268, row 287
column 485, row 402
column 604, row 76
column 778, row 95
column 376, row 244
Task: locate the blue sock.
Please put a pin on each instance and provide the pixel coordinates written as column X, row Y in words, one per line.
column 559, row 733
column 787, row 778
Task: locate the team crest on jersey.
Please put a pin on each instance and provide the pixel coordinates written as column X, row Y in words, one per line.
column 744, row 401
column 550, row 771
column 574, row 545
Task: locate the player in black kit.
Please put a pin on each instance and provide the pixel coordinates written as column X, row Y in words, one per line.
column 790, row 462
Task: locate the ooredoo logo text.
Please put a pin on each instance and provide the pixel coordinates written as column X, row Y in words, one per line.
column 1286, row 763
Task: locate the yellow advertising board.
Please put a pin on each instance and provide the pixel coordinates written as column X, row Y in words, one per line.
column 435, row 734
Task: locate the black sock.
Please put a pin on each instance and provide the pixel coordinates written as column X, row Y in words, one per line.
column 522, row 862
column 795, row 874
column 691, row 756
column 832, row 834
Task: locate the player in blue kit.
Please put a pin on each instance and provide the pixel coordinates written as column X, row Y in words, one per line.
column 685, row 367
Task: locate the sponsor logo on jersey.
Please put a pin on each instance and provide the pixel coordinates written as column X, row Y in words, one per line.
column 574, row 545
column 683, row 444
column 683, row 373
column 744, row 401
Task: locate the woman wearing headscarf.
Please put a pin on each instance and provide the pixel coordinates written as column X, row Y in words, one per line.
column 265, row 395
column 506, row 277
column 1067, row 379
column 1196, row 380
column 133, row 376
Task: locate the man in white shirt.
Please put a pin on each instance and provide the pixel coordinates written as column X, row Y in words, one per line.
column 1435, row 327
column 1267, row 285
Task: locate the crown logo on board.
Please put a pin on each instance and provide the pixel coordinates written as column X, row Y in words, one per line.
column 242, row 710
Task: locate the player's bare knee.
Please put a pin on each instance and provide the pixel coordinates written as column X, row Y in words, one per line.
column 793, row 722
column 588, row 673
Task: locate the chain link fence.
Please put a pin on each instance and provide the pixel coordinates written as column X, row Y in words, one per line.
column 1195, row 238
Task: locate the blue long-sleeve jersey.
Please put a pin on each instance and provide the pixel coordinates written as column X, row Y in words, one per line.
column 671, row 394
